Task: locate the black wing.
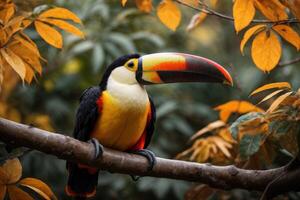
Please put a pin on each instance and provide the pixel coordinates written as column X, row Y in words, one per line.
column 150, row 124
column 87, row 113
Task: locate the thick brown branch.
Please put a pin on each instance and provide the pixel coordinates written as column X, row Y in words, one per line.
column 224, row 177
column 209, row 11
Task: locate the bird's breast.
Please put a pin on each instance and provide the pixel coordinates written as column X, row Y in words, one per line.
column 123, row 118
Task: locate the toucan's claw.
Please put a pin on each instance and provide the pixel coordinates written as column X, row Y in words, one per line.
column 97, row 146
column 149, row 155
column 135, row 178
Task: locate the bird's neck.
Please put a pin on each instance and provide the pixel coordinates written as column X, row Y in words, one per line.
column 133, row 94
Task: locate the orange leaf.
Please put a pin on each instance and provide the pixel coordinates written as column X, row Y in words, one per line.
column 144, row 5
column 7, row 11
column 17, row 194
column 277, row 102
column 64, row 26
column 272, row 9
column 243, row 13
column 60, row 13
column 249, row 33
column 169, row 14
column 271, row 86
column 29, row 74
column 288, row 34
column 49, row 34
column 266, row 51
column 10, row 171
column 39, row 187
column 211, row 126
column 123, row 2
column 236, row 106
column 2, row 191
column 28, row 57
column 14, row 61
column 196, row 20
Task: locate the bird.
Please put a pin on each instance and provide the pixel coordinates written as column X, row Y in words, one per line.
column 119, row 114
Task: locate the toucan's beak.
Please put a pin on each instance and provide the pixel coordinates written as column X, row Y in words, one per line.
column 177, row 67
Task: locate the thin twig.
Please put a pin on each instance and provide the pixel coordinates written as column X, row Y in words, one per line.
column 209, row 11
column 289, row 62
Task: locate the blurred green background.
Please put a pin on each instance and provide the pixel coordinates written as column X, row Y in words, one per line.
column 182, row 109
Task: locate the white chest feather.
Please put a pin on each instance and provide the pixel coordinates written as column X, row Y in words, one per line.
column 131, row 96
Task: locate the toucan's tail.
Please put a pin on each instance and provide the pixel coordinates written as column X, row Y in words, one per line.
column 82, row 181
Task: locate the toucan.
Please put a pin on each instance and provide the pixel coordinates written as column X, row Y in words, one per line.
column 119, row 114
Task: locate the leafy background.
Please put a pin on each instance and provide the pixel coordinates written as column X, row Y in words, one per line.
column 182, row 110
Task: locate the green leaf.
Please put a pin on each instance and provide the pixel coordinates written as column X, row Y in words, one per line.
column 234, row 128
column 249, row 145
column 98, row 57
column 280, row 127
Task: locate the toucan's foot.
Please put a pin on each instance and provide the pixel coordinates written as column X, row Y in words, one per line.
column 97, row 146
column 149, row 155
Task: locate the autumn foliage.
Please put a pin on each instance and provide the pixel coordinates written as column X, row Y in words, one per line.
column 248, row 135
column 20, row 57
column 276, row 24
column 18, row 51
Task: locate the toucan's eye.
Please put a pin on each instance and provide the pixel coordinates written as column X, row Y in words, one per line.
column 130, row 64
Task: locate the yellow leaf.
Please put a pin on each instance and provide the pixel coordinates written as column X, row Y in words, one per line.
column 40, row 121
column 288, row 34
column 249, row 33
column 272, row 9
column 196, row 20
column 266, row 51
column 29, row 74
column 28, row 57
column 49, row 34
column 213, row 3
column 2, row 191
column 211, row 126
column 60, row 13
column 270, row 96
column 193, row 3
column 17, row 194
column 39, row 187
column 236, row 106
column 277, row 102
column 14, row 61
column 271, row 86
column 243, row 13
column 10, row 171
column 294, row 7
column 25, row 37
column 223, row 145
column 169, row 14
column 64, row 26
column 144, row 5
column 123, row 2
column 26, row 23
column 30, row 45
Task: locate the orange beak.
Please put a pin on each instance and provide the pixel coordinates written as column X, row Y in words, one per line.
column 178, row 67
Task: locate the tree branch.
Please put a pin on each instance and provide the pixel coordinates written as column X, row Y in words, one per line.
column 209, row 11
column 224, row 177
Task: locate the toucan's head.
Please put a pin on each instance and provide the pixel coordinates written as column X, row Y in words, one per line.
column 161, row 68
